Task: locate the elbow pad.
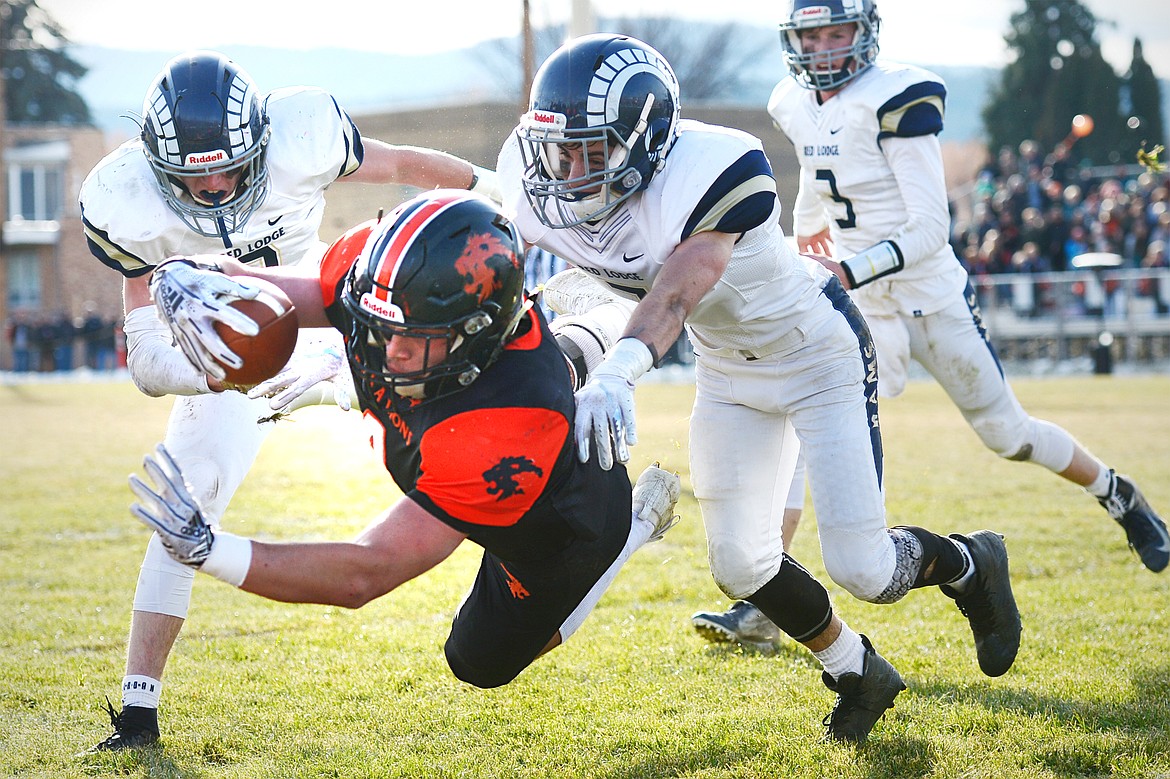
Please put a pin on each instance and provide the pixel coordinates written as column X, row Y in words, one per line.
column 157, row 367
column 879, row 260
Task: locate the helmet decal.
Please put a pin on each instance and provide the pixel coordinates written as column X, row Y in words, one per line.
column 481, row 278
column 609, row 82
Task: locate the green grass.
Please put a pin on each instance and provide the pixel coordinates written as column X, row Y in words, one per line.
column 260, row 689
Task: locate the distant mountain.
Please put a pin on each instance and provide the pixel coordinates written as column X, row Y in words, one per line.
column 363, row 82
column 370, row 82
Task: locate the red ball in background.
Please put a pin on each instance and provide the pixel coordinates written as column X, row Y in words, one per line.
column 265, row 353
column 1082, row 125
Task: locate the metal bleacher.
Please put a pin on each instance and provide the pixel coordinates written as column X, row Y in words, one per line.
column 1119, row 315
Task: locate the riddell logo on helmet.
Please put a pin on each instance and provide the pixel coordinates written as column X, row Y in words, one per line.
column 547, row 120
column 207, row 157
column 813, row 13
column 381, row 308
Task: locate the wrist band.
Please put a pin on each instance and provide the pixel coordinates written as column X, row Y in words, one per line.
column 230, row 558
column 878, row 260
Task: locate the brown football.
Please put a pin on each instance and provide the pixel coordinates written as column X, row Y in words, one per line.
column 265, row 353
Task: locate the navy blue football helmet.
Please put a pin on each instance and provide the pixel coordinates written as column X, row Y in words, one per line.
column 446, row 267
column 611, row 95
column 203, row 115
column 812, row 71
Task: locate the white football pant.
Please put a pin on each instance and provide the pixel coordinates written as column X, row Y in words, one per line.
column 745, row 422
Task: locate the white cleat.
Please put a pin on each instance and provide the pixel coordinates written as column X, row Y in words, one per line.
column 655, row 494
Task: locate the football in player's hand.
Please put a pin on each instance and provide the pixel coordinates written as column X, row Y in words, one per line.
column 265, row 353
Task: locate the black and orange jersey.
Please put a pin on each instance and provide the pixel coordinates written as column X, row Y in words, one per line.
column 496, row 460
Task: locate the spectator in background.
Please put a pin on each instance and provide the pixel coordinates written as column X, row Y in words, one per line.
column 1156, row 288
column 1078, row 212
column 107, row 351
column 62, row 335
column 90, row 331
column 44, row 341
column 20, row 336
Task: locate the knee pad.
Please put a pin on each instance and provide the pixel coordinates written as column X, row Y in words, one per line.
column 738, row 568
column 1052, row 446
column 203, row 476
column 164, row 586
column 1006, row 437
column 1034, row 441
column 795, row 601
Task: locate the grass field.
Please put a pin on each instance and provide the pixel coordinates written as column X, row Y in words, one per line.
column 259, row 689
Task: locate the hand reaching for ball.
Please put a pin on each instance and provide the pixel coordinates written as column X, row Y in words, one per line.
column 238, row 331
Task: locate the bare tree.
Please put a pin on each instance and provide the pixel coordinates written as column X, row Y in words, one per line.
column 709, row 60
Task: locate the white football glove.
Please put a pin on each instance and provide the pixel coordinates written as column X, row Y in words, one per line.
column 172, row 511
column 191, row 297
column 320, row 361
column 605, row 405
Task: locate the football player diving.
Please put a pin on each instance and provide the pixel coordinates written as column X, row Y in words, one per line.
column 475, row 408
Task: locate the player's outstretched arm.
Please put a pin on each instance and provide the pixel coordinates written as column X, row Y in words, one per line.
column 605, row 405
column 402, row 544
column 384, row 163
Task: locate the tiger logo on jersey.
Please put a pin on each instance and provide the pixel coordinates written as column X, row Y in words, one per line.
column 502, row 477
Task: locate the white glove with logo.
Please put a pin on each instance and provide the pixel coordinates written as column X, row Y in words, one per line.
column 605, row 405
column 172, row 511
column 191, row 296
column 318, row 361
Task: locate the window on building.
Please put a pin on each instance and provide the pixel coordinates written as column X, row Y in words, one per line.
column 24, row 279
column 36, row 181
column 35, row 192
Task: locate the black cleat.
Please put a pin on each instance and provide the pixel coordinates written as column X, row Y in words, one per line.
column 861, row 699
column 742, row 624
column 989, row 604
column 134, row 727
column 1145, row 530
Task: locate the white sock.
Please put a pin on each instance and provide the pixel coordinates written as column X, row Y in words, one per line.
column 961, row 584
column 845, row 655
column 1102, row 485
column 138, row 690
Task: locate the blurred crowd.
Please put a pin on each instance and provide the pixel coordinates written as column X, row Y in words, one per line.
column 1033, row 212
column 45, row 343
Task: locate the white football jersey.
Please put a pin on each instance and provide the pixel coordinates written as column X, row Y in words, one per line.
column 848, row 185
column 716, row 179
column 130, row 228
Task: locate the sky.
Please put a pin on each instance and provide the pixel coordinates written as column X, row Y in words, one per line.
column 965, row 33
